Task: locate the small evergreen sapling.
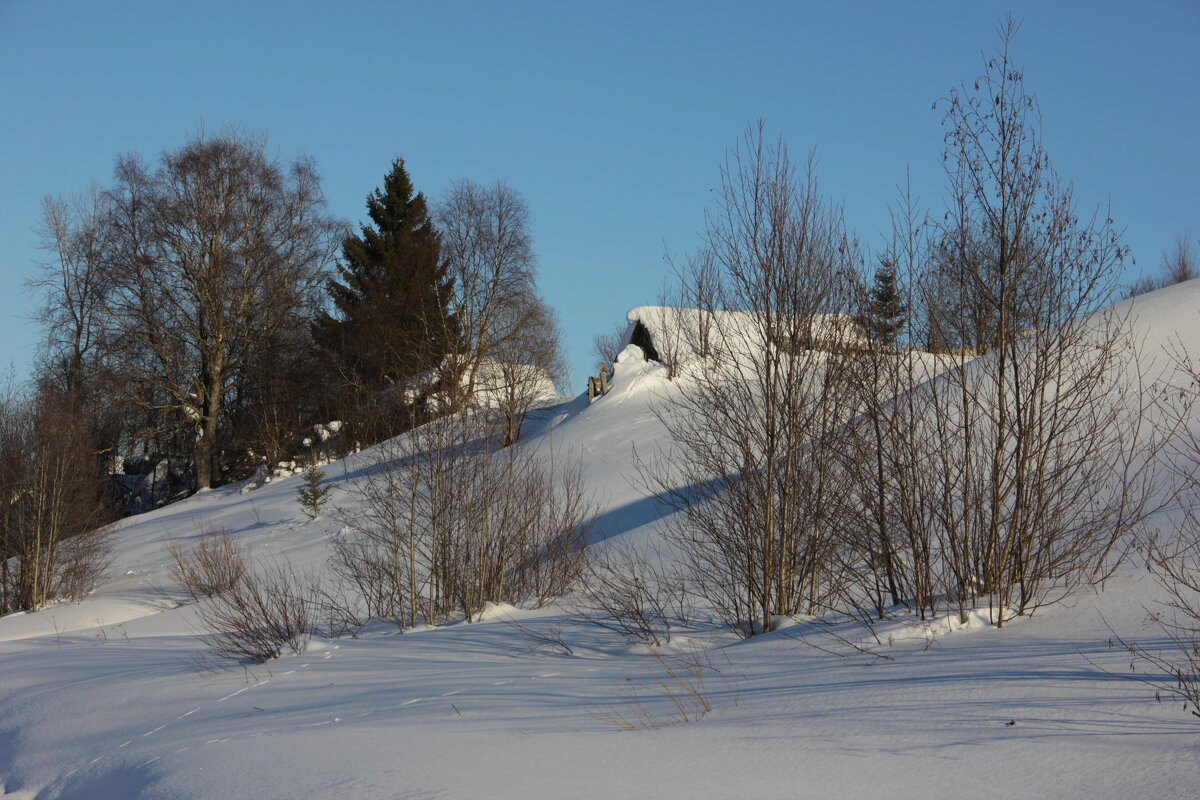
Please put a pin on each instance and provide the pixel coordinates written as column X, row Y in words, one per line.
column 312, row 494
column 887, row 312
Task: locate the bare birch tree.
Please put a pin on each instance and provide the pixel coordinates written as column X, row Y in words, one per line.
column 529, row 365
column 214, row 250
column 751, row 471
column 1033, row 472
column 505, row 330
column 76, row 235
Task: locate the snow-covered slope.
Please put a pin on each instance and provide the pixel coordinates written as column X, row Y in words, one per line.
column 104, row 699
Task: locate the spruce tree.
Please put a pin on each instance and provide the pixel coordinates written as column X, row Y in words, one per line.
column 886, row 310
column 312, row 494
column 390, row 320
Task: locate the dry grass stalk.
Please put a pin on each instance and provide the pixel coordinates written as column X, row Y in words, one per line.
column 681, row 685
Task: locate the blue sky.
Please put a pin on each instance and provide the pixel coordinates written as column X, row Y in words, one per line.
column 611, row 118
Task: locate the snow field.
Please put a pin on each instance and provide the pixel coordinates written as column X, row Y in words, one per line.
column 106, row 699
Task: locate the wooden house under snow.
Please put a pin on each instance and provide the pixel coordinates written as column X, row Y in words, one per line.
column 673, row 335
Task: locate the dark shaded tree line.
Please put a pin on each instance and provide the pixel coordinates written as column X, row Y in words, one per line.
column 52, row 501
column 205, row 311
column 199, row 310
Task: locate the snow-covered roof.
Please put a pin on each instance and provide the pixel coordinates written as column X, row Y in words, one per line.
column 491, row 382
column 495, row 379
column 679, row 334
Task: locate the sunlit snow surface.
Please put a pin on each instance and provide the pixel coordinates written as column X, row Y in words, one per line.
column 105, row 699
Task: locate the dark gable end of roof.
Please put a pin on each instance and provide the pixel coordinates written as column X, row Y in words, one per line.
column 641, row 337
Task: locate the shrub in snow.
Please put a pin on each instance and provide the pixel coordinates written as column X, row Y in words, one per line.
column 248, row 614
column 1174, row 559
column 753, row 470
column 455, row 522
column 626, row 591
column 1175, row 668
column 213, row 567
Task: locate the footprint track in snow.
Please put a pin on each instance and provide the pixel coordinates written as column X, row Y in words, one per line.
column 235, row 694
column 328, row 655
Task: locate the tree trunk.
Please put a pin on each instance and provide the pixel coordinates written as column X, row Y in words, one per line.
column 206, row 450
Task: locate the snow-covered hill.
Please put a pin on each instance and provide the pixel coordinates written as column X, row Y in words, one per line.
column 104, row 699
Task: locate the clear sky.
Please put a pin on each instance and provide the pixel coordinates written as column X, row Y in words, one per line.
column 610, row 117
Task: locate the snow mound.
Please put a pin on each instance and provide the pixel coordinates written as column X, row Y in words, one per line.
column 104, row 700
